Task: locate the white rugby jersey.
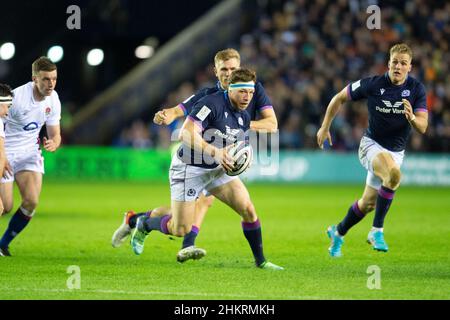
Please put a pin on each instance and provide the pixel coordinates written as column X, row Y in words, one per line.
column 2, row 129
column 27, row 116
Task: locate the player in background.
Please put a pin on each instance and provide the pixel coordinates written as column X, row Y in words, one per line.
column 34, row 104
column 215, row 123
column 396, row 103
column 6, row 97
column 260, row 107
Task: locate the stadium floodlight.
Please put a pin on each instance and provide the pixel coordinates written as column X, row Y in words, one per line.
column 55, row 53
column 7, row 51
column 95, row 57
column 144, row 51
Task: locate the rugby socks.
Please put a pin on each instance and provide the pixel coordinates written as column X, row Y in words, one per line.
column 189, row 239
column 157, row 223
column 17, row 223
column 133, row 219
column 354, row 215
column 252, row 232
column 384, row 200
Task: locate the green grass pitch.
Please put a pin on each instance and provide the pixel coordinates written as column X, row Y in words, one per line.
column 75, row 221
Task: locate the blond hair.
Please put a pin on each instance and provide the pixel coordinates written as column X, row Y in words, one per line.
column 42, row 64
column 401, row 48
column 226, row 54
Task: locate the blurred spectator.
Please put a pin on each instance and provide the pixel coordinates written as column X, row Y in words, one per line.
column 137, row 136
column 306, row 51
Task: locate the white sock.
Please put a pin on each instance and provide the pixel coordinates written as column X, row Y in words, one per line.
column 26, row 212
column 377, row 229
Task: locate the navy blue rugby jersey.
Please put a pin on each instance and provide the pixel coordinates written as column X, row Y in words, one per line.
column 259, row 102
column 221, row 123
column 387, row 122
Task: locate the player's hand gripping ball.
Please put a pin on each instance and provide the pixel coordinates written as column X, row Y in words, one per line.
column 242, row 155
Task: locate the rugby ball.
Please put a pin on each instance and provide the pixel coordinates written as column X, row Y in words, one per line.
column 242, row 155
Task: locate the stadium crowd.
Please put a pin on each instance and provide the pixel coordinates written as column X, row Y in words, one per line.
column 304, row 52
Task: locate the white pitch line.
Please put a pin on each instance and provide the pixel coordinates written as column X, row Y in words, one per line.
column 153, row 293
column 149, row 293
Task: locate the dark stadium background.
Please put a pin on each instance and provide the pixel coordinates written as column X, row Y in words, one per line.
column 115, row 26
column 119, row 26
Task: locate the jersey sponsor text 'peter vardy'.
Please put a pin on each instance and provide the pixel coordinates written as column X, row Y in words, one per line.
column 387, row 122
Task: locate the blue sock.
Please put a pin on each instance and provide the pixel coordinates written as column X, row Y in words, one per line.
column 354, row 215
column 252, row 232
column 157, row 223
column 384, row 200
column 189, row 239
column 132, row 221
column 17, row 223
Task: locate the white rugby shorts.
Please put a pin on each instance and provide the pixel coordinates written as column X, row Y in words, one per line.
column 368, row 150
column 187, row 182
column 23, row 161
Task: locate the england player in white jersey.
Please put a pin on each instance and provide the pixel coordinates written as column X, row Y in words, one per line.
column 34, row 104
column 6, row 97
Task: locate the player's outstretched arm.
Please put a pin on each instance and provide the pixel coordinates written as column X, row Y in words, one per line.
column 332, row 109
column 54, row 138
column 268, row 123
column 167, row 116
column 418, row 120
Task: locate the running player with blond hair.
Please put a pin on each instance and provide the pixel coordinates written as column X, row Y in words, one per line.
column 396, row 103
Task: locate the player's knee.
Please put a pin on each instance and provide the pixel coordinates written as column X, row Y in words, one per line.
column 370, row 207
column 182, row 230
column 6, row 209
column 395, row 176
column 367, row 206
column 248, row 211
column 204, row 203
column 30, row 203
column 209, row 201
